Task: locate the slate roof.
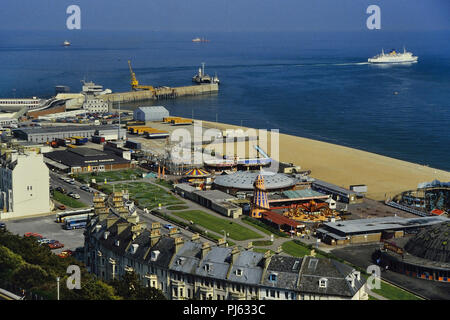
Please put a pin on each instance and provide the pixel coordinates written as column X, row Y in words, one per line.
column 218, row 266
column 314, row 269
column 286, row 270
column 249, row 263
column 298, row 274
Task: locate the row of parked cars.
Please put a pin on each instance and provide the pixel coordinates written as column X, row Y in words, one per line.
column 52, row 244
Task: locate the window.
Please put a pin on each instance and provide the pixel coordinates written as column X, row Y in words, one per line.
column 273, row 277
column 272, row 293
column 323, row 282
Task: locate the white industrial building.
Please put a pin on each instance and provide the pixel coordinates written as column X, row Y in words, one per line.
column 95, row 105
column 24, row 185
column 157, row 113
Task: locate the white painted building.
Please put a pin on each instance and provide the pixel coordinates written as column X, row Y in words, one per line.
column 95, row 105
column 24, row 185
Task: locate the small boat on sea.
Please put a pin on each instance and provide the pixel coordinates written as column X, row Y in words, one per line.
column 201, row 77
column 66, row 43
column 200, row 40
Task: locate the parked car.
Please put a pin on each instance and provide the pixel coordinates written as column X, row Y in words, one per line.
column 55, row 245
column 61, row 207
column 85, row 188
column 2, row 226
column 61, row 189
column 33, row 234
column 44, row 241
column 168, row 226
column 65, row 254
column 74, row 195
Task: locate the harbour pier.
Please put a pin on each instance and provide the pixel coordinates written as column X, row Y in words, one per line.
column 160, row 93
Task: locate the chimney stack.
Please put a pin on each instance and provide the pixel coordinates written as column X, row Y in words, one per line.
column 206, row 247
column 250, row 246
column 178, row 243
column 234, row 254
column 155, row 234
column 195, row 237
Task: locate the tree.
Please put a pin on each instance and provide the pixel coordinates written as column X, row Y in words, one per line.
column 129, row 287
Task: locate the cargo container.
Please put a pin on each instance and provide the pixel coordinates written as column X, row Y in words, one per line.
column 133, row 145
column 98, row 139
column 81, row 141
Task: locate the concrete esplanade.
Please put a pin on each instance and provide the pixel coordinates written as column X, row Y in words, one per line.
column 161, row 93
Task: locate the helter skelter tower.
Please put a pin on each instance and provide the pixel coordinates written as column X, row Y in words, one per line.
column 260, row 201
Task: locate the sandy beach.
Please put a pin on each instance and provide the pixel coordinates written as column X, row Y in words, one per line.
column 345, row 166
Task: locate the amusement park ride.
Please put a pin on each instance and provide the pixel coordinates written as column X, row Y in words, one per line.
column 311, row 212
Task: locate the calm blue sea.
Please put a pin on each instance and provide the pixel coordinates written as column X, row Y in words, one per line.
column 314, row 85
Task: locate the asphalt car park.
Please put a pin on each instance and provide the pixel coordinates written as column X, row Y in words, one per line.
column 49, row 229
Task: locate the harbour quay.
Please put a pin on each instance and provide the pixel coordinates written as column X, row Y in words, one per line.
column 161, row 93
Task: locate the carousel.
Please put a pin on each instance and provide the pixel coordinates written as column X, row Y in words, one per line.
column 199, row 178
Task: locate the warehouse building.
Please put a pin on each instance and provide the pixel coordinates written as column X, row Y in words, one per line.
column 372, row 230
column 83, row 159
column 337, row 193
column 46, row 134
column 215, row 200
column 157, row 113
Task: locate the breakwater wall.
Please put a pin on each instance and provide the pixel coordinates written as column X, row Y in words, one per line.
column 161, row 93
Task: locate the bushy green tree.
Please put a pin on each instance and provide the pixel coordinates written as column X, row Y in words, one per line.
column 129, row 287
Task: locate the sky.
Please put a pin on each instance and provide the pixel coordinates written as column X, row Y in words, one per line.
column 225, row 15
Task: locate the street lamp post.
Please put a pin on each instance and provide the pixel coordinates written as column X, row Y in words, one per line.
column 57, row 288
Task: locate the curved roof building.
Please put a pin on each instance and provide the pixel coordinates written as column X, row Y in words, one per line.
column 426, row 255
column 432, row 243
column 244, row 180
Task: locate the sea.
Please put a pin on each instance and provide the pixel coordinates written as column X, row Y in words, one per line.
column 316, row 85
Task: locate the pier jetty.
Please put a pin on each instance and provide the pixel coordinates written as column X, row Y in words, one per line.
column 161, row 93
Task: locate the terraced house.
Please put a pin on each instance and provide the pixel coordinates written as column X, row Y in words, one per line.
column 192, row 269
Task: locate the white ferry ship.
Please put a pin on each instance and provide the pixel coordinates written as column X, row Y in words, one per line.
column 393, row 57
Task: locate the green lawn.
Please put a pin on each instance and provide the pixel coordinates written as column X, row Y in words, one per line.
column 146, row 194
column 262, row 243
column 261, row 226
column 394, row 293
column 294, row 249
column 177, row 207
column 164, row 183
column 67, row 201
column 216, row 224
column 263, row 250
column 116, row 175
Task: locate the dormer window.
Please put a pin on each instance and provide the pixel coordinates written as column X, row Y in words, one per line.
column 273, row 277
column 208, row 267
column 134, row 248
column 239, row 272
column 105, row 235
column 180, row 261
column 154, row 255
column 117, row 243
column 323, row 282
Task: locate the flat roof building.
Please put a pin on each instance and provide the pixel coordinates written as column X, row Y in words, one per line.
column 50, row 133
column 372, row 230
column 82, row 159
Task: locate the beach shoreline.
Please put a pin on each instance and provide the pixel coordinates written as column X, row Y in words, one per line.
column 345, row 166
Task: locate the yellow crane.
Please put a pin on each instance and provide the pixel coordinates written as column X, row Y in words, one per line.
column 135, row 83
